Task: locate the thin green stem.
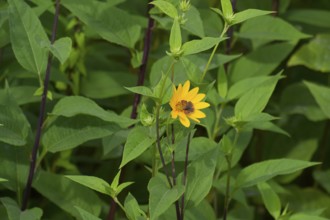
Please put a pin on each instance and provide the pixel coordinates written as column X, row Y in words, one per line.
column 225, row 28
column 41, row 156
column 229, row 163
column 217, row 120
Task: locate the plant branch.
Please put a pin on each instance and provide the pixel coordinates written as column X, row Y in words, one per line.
column 137, row 97
column 275, row 6
column 42, row 111
column 185, row 171
column 143, row 67
column 177, row 206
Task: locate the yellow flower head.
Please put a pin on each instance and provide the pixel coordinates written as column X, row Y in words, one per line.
column 187, row 104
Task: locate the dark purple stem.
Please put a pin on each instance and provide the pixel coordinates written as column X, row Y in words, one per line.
column 143, row 67
column 137, row 97
column 185, row 171
column 177, row 206
column 42, row 111
column 275, row 6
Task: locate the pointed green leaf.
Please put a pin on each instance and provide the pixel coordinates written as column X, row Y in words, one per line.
column 256, row 99
column 76, row 105
column 142, row 90
column 194, row 22
column 304, row 216
column 67, row 133
column 166, row 7
column 199, row 178
column 197, row 46
column 222, row 82
column 137, row 142
column 270, row 199
column 322, row 96
column 3, row 180
column 14, row 212
column 84, row 215
column 248, row 14
column 27, row 34
column 61, row 49
column 93, row 183
column 227, row 9
column 161, row 196
column 175, row 37
column 263, row 171
column 55, row 188
column 314, row 55
column 323, row 178
column 132, row 208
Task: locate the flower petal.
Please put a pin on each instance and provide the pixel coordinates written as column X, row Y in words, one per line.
column 198, row 114
column 201, row 105
column 195, row 119
column 192, row 94
column 174, row 114
column 185, row 90
column 198, row 98
column 184, row 120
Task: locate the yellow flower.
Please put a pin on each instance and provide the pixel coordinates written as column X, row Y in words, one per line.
column 187, row 104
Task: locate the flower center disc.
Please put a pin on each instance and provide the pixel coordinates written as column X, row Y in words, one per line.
column 184, row 106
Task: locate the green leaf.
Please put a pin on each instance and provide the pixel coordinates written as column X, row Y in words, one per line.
column 248, row 14
column 67, row 133
column 167, row 8
column 314, row 54
column 3, row 180
column 321, row 95
column 222, row 82
column 132, row 208
column 256, row 99
column 84, row 215
column 142, row 90
column 61, row 49
column 102, row 17
column 197, row 46
column 270, row 199
column 263, row 171
column 14, row 212
column 269, row 28
column 303, row 216
column 227, row 9
column 77, row 105
column 137, row 142
column 259, row 63
column 323, row 178
column 55, row 188
column 309, row 16
column 26, row 34
column 14, row 163
column 93, row 183
column 199, row 178
column 161, row 196
column 104, row 84
column 175, row 37
column 304, row 104
column 194, row 22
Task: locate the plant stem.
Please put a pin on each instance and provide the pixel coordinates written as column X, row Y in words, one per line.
column 227, row 195
column 160, row 147
column 275, row 6
column 225, row 28
column 185, row 171
column 217, row 120
column 42, row 111
column 143, row 67
column 137, row 97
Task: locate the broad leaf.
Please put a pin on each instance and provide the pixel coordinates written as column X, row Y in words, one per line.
column 323, row 178
column 137, row 142
column 84, row 215
column 248, row 14
column 142, row 90
column 263, row 171
column 199, row 178
column 270, row 199
column 55, row 188
column 309, row 16
column 61, row 49
column 166, row 7
column 314, row 55
column 27, row 35
column 321, row 95
column 14, row 212
column 161, row 196
column 67, row 133
column 197, row 46
column 93, row 183
column 77, row 105
column 132, row 208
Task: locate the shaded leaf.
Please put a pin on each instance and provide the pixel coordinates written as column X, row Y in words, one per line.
column 321, row 95
column 166, row 7
column 93, row 183
column 248, row 14
column 197, row 46
column 270, row 199
column 61, row 48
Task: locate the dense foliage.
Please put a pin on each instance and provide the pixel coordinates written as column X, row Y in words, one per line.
column 165, row 109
